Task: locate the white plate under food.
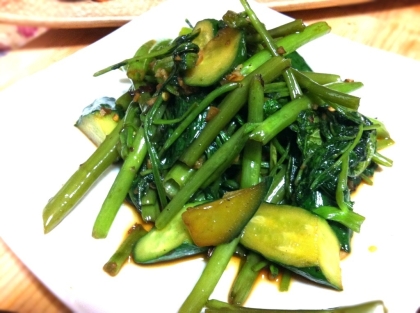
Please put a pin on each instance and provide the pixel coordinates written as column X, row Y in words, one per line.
column 41, row 149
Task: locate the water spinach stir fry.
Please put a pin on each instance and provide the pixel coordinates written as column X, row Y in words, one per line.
column 229, row 144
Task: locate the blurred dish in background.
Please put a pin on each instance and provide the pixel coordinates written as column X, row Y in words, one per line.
column 111, row 13
column 15, row 36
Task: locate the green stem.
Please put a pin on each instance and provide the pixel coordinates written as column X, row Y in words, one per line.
column 229, row 107
column 344, row 214
column 278, row 87
column 323, row 78
column 251, row 171
column 150, row 208
column 205, row 175
column 281, row 119
column 245, row 279
column 137, row 70
column 121, row 186
column 292, row 84
column 216, row 306
column 131, row 124
column 277, row 191
column 348, row 101
column 340, row 160
column 252, row 156
column 79, row 183
column 153, row 155
column 118, row 259
column 294, row 88
column 292, row 27
column 163, row 48
column 289, row 43
column 345, row 87
column 260, row 28
column 208, row 280
column 286, row 277
column 196, row 111
column 382, row 160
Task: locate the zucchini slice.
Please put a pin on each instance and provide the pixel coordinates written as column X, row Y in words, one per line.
column 158, row 243
column 220, row 55
column 99, row 119
column 298, row 239
column 208, row 29
column 222, row 220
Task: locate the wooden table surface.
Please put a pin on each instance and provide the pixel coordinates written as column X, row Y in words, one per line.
column 386, row 24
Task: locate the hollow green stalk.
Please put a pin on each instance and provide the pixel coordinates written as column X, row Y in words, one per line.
column 196, row 111
column 245, row 279
column 208, row 280
column 292, row 27
column 286, row 277
column 229, row 107
column 294, row 88
column 79, row 183
column 252, row 156
column 120, row 257
column 341, row 98
column 343, row 214
column 250, row 176
column 323, row 78
column 382, row 160
column 153, row 154
column 136, row 71
column 288, row 43
column 121, row 186
column 165, row 49
column 281, row 119
column 216, row 306
column 150, row 209
column 206, row 174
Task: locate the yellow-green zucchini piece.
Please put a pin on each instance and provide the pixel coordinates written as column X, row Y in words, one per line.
column 296, row 238
column 222, row 220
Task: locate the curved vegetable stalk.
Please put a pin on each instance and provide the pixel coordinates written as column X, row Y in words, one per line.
column 214, row 269
column 216, row 306
column 117, row 260
column 120, row 187
column 230, row 106
column 210, row 170
column 343, row 214
column 289, row 43
column 220, row 213
column 79, row 183
column 281, row 119
column 245, row 279
column 251, row 172
column 326, row 93
column 160, row 53
column 137, row 70
column 294, row 88
column 196, row 111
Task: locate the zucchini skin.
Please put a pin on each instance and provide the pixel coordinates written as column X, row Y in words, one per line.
column 219, row 56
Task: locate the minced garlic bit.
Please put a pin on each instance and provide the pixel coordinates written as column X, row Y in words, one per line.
column 212, row 112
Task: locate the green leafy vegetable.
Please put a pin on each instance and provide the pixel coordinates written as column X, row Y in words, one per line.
column 227, row 107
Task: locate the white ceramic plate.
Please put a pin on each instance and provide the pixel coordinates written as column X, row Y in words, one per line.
column 41, row 149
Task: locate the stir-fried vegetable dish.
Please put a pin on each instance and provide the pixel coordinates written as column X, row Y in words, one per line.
column 230, row 145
